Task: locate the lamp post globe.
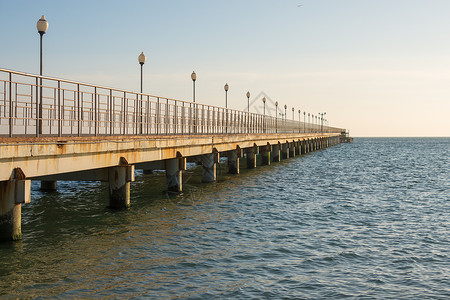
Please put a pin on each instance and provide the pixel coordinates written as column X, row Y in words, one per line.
column 42, row 25
column 142, row 58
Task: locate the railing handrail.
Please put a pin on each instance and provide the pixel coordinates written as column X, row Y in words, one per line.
column 222, row 117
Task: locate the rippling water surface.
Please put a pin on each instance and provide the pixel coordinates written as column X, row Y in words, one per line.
column 364, row 220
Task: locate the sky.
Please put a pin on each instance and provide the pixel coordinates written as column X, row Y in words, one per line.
column 380, row 68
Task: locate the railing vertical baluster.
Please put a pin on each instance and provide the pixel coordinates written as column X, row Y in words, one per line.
column 59, row 110
column 125, row 113
column 111, row 112
column 157, row 116
column 182, row 119
column 136, row 113
column 96, row 98
column 37, row 107
column 147, row 110
column 175, row 118
column 167, row 121
column 78, row 110
column 10, row 106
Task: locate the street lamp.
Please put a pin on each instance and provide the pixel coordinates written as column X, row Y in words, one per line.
column 276, row 117
column 285, row 114
column 42, row 26
column 304, row 122
column 226, row 87
column 264, row 101
column 141, row 60
column 309, row 122
column 194, row 78
column 248, row 101
column 293, row 114
column 322, row 114
column 299, row 121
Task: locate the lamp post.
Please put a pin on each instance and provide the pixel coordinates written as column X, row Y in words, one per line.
column 276, row 117
column 299, row 121
column 226, row 87
column 285, row 113
column 141, row 60
column 264, row 120
column 248, row 101
column 264, row 101
column 42, row 26
column 304, row 122
column 321, row 125
column 194, row 78
column 309, row 122
column 293, row 114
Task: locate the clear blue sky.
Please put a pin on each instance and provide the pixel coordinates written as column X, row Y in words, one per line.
column 377, row 67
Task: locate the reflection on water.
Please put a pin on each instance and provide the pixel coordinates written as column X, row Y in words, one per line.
column 368, row 219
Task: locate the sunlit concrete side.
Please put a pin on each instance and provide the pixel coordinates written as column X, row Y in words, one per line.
column 114, row 160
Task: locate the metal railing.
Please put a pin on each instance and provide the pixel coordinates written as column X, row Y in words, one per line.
column 32, row 105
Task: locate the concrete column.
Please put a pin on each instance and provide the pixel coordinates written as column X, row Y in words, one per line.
column 233, row 162
column 265, row 155
column 251, row 158
column 297, row 148
column 276, row 153
column 12, row 194
column 174, row 177
column 119, row 179
column 285, row 151
column 209, row 167
column 48, row 185
column 291, row 149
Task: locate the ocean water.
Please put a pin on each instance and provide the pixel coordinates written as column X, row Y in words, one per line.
column 367, row 220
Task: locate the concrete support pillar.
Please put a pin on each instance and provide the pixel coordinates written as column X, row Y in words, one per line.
column 13, row 193
column 291, row 149
column 276, row 153
column 233, row 162
column 265, row 155
column 119, row 179
column 285, row 151
column 48, row 185
column 297, row 148
column 209, row 167
column 251, row 158
column 174, row 176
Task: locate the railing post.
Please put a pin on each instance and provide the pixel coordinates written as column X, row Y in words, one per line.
column 78, row 110
column 125, row 113
column 95, row 112
column 175, row 118
column 111, row 112
column 10, row 106
column 59, row 110
column 157, row 116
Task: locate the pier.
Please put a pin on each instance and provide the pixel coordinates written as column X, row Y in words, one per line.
column 53, row 129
